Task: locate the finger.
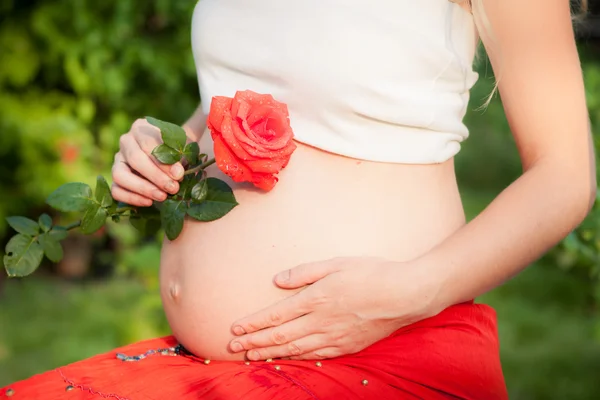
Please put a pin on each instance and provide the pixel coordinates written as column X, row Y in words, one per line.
column 296, row 348
column 125, row 178
column 148, row 138
column 128, row 197
column 141, row 163
column 305, row 274
column 286, row 310
column 279, row 335
column 320, row 354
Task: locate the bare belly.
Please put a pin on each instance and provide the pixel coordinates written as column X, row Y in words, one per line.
column 324, row 206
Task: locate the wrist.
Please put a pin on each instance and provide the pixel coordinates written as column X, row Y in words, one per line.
column 432, row 275
column 438, row 274
column 192, row 135
column 424, row 297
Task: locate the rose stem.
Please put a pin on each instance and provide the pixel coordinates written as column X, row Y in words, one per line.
column 200, row 167
column 73, row 225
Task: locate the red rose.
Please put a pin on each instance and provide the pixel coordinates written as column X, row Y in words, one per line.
column 253, row 139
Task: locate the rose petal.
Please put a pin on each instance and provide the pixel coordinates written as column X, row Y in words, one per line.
column 266, row 166
column 265, row 182
column 229, row 164
column 272, row 132
column 241, row 110
column 253, row 98
column 228, row 127
column 260, row 153
column 219, row 106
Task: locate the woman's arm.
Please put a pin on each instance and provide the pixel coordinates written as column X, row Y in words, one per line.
column 533, row 52
column 195, row 125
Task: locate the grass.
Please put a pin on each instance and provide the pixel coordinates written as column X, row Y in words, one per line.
column 46, row 323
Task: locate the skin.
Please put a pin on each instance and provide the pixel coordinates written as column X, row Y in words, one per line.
column 341, row 305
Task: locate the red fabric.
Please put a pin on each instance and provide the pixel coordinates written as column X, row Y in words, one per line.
column 452, row 355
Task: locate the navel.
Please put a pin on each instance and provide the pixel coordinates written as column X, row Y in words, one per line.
column 175, row 292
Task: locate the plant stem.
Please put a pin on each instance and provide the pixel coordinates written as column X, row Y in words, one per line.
column 73, row 225
column 200, row 167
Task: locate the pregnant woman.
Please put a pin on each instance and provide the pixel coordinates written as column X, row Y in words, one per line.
column 354, row 277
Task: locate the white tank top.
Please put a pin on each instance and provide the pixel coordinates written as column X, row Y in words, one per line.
column 379, row 80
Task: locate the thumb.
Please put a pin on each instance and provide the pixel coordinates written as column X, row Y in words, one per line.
column 176, row 171
column 305, row 274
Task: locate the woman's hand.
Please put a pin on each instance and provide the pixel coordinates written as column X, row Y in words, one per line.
column 138, row 178
column 350, row 303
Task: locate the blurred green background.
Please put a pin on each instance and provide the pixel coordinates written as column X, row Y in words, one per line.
column 75, row 74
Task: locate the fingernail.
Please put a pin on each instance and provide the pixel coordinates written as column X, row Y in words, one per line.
column 283, row 277
column 238, row 330
column 158, row 195
column 177, row 171
column 171, row 186
column 236, row 347
column 253, row 355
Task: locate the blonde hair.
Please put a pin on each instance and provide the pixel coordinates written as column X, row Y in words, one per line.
column 484, row 29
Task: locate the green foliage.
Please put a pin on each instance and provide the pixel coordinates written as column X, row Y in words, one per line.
column 24, row 225
column 74, row 196
column 25, row 250
column 172, row 135
column 191, row 152
column 166, row 154
column 217, row 199
column 23, row 255
column 74, row 76
column 172, row 214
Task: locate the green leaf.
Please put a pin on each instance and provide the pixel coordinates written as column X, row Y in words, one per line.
column 23, row 255
column 185, row 187
column 172, row 135
column 146, row 226
column 172, row 215
column 58, row 233
column 146, row 220
column 45, row 222
column 74, row 196
column 200, row 191
column 52, row 247
column 219, row 201
column 166, row 155
column 24, row 225
column 93, row 219
column 190, row 153
column 103, row 192
column 148, row 212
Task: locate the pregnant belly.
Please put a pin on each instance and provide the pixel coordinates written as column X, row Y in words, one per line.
column 324, row 206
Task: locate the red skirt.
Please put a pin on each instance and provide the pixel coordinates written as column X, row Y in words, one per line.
column 453, row 355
